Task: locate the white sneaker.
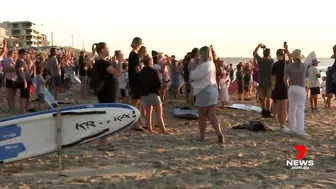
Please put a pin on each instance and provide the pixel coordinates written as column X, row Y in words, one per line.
column 304, row 134
column 285, row 129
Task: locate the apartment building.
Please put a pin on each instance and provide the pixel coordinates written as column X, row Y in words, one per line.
column 27, row 32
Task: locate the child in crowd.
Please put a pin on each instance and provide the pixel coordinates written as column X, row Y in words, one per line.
column 224, row 83
column 323, row 88
column 67, row 78
column 40, row 86
column 123, row 84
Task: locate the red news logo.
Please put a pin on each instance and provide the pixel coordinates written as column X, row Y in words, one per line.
column 302, row 151
column 299, row 163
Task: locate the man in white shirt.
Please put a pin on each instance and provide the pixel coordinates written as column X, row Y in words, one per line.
column 314, row 83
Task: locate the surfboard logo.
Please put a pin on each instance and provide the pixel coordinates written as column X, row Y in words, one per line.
column 9, row 132
column 11, row 150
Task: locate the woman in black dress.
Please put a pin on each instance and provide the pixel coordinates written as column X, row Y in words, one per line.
column 108, row 76
column 279, row 93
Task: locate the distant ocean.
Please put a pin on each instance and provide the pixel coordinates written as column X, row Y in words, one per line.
column 323, row 65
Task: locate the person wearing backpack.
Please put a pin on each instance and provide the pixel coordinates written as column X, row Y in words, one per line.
column 107, row 77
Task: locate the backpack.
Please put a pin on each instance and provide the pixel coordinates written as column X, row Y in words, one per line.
column 97, row 83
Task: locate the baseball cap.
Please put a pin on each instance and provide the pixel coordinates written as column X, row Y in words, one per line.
column 22, row 51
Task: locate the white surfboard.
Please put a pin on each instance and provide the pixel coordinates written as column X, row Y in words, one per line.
column 245, row 107
column 34, row 134
column 76, row 79
column 308, row 60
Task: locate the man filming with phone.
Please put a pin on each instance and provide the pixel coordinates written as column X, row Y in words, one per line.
column 265, row 80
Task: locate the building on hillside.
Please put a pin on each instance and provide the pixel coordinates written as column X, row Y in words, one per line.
column 27, row 32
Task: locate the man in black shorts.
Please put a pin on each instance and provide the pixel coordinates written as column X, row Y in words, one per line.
column 314, row 84
column 9, row 69
column 23, row 81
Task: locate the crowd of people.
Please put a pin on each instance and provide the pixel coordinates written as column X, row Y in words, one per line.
column 143, row 80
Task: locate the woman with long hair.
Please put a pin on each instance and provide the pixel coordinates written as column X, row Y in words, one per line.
column 294, row 77
column 150, row 86
column 108, row 75
column 134, row 67
column 279, row 93
column 206, row 91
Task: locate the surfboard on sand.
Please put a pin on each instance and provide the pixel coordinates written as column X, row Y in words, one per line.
column 185, row 112
column 34, row 134
column 233, row 88
column 48, row 97
column 245, row 107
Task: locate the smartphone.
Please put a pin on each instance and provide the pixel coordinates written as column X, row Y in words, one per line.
column 285, row 43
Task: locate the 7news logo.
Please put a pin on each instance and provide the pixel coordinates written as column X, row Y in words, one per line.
column 299, row 163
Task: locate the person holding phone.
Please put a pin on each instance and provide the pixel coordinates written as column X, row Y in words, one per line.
column 265, row 64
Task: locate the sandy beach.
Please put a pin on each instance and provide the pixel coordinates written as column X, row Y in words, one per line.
column 146, row 161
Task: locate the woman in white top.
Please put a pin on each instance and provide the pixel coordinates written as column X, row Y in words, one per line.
column 205, row 89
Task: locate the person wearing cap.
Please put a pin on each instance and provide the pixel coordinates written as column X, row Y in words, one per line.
column 314, row 84
column 294, row 78
column 279, row 93
column 23, row 81
column 265, row 64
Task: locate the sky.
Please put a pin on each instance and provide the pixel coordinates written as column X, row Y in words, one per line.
column 233, row 27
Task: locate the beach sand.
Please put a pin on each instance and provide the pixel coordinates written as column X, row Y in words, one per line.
column 146, row 161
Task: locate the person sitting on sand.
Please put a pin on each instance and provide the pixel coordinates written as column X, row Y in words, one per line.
column 294, row 77
column 206, row 91
column 150, row 86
